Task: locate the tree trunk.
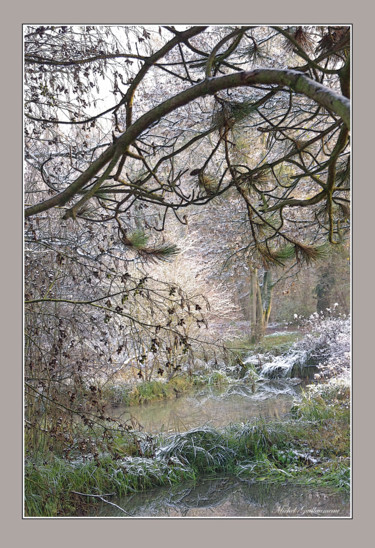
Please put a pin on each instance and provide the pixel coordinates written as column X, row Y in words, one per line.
column 261, row 303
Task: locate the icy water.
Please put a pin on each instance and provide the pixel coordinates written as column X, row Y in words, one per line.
column 230, row 498
column 214, row 406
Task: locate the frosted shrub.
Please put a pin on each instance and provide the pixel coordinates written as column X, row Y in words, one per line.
column 327, row 342
column 323, row 352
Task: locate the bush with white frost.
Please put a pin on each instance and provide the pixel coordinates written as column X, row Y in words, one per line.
column 327, row 343
column 325, row 347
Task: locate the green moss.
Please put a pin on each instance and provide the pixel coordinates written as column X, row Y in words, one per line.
column 275, row 344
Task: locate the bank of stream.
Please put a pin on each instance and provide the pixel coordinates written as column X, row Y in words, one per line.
column 230, row 495
column 248, row 447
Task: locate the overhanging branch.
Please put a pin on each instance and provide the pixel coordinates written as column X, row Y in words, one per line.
column 296, row 81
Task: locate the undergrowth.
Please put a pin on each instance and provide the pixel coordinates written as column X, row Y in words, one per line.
column 148, row 391
column 312, row 447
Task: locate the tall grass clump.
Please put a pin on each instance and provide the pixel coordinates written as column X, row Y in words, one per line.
column 205, row 449
column 62, row 488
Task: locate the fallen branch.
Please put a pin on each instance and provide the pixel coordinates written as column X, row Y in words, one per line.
column 102, row 499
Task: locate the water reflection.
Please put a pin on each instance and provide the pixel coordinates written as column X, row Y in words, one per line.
column 214, row 406
column 231, row 497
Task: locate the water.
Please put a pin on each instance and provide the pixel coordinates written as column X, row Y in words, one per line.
column 214, row 406
column 229, row 497
column 223, row 496
column 284, row 366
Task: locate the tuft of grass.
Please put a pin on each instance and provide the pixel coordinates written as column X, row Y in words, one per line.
column 147, row 391
column 51, row 490
column 205, row 449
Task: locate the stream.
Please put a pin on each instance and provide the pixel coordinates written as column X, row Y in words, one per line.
column 214, row 406
column 223, row 496
column 230, row 497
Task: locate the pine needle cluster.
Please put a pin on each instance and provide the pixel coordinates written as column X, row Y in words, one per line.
column 231, row 113
column 301, row 252
column 301, row 36
column 336, row 38
column 207, row 183
column 343, row 173
column 138, row 241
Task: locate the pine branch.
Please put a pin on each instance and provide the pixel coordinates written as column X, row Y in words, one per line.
column 162, row 253
column 138, row 241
